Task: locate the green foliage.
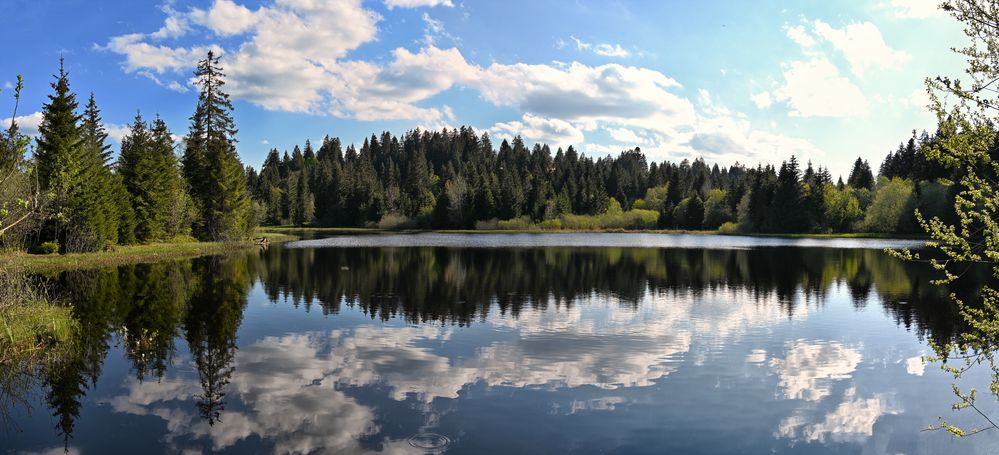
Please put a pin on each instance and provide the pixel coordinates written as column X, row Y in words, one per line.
column 73, row 166
column 689, row 213
column 716, row 210
column 21, row 200
column 728, row 228
column 45, row 248
column 891, row 209
column 842, row 208
column 212, row 168
column 966, row 145
column 158, row 206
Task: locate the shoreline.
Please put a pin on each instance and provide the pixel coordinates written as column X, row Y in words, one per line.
column 128, row 254
column 377, row 231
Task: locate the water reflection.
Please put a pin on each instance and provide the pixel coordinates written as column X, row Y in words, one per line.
column 434, row 339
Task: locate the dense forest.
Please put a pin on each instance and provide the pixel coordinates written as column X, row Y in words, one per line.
column 456, row 179
column 70, row 195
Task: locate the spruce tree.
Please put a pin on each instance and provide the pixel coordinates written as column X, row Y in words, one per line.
column 72, row 169
column 861, row 175
column 99, row 206
column 173, row 205
column 212, row 168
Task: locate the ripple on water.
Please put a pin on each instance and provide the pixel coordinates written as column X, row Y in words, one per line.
column 431, row 442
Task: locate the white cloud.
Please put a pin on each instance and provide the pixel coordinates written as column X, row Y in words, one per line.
column 173, row 27
column 807, row 371
column 602, row 49
column 538, row 129
column 26, row 124
column 918, row 99
column 586, row 95
column 225, row 18
column 625, row 135
column 287, row 57
column 862, row 45
column 799, row 35
column 391, row 4
column 116, row 132
column 916, row 9
column 762, row 100
column 852, row 421
column 915, row 366
column 709, row 106
column 815, row 88
column 140, row 55
column 434, row 30
column 170, row 85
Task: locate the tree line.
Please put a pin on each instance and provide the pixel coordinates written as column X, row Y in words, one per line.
column 455, row 179
column 70, row 195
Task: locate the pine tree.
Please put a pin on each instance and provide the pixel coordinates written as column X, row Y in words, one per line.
column 861, row 175
column 173, row 205
column 71, row 167
column 212, row 167
column 100, row 205
column 137, row 166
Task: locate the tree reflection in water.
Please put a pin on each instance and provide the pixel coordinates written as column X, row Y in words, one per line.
column 147, row 308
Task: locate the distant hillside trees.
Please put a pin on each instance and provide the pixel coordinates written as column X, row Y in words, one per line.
column 455, row 179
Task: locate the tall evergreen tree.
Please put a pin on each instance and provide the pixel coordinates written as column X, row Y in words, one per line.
column 212, row 167
column 99, row 206
column 861, row 175
column 71, row 167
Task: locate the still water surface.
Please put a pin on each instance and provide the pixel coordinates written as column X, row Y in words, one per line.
column 518, row 343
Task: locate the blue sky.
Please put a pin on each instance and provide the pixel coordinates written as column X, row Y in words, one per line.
column 724, row 80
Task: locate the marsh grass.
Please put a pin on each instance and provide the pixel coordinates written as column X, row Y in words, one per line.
column 35, row 331
column 129, row 254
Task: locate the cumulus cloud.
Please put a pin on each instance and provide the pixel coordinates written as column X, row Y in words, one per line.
column 141, row 55
column 225, row 18
column 538, row 129
column 580, row 93
column 762, row 100
column 815, row 88
column 417, row 3
column 285, row 56
column 862, row 45
column 799, row 35
column 26, row 124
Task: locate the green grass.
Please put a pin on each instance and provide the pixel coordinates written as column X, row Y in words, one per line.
column 127, row 254
column 31, row 324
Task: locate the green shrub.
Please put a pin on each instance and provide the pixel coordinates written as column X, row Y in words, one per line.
column 395, row 221
column 728, row 227
column 522, row 223
column 486, row 225
column 551, row 225
column 45, row 248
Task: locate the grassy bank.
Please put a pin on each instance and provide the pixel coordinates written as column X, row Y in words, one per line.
column 349, row 231
column 127, row 254
column 30, row 322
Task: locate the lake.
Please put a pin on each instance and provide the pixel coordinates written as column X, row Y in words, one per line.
column 505, row 343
